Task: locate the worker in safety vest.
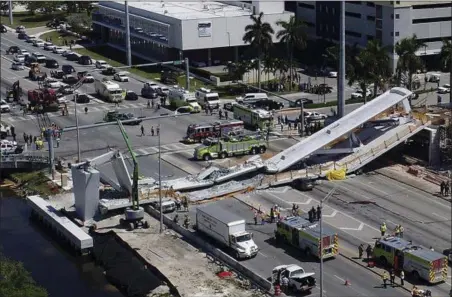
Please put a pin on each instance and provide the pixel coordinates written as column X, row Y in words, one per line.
column 397, row 231
column 385, row 278
column 401, row 231
column 383, row 229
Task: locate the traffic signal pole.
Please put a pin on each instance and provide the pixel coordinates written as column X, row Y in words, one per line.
column 128, row 47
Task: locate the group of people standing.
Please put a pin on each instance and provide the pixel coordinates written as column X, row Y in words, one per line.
column 445, row 189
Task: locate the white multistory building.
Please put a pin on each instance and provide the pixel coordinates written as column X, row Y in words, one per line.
column 388, row 21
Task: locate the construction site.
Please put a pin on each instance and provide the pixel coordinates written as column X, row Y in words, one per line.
column 129, row 205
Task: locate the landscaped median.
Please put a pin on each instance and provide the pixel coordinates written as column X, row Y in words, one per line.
column 58, row 38
column 29, row 20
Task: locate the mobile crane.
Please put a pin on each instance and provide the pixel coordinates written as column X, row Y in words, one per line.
column 133, row 215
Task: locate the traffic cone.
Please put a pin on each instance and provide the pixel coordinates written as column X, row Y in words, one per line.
column 347, row 283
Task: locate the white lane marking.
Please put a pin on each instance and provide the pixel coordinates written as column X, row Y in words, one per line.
column 360, row 227
column 264, row 255
column 332, row 215
column 372, row 187
column 440, row 216
column 339, row 278
column 143, row 151
column 388, row 180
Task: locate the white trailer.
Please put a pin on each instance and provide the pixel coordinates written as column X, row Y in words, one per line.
column 207, row 98
column 226, row 228
column 109, row 90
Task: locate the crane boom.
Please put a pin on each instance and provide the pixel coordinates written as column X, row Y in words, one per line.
column 134, row 194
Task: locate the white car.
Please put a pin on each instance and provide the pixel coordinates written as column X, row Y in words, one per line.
column 38, row 43
column 58, row 50
column 62, row 100
column 101, row 64
column 23, row 52
column 447, row 87
column 359, row 94
column 121, row 76
column 30, row 39
column 19, row 58
column 53, row 83
column 4, row 107
column 442, row 90
column 313, row 115
column 332, row 74
column 48, row 46
column 17, row 66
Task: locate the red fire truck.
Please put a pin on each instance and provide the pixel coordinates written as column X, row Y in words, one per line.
column 199, row 132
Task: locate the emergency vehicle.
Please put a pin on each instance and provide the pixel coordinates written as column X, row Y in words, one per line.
column 198, row 132
column 206, row 98
column 421, row 262
column 179, row 97
column 253, row 118
column 109, row 90
column 304, row 235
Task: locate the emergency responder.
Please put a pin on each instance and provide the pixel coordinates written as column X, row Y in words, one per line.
column 152, row 103
column 176, row 219
column 442, row 187
column 255, row 217
column 158, row 130
column 368, row 252
column 310, row 214
column 185, row 203
column 415, row 291
column 86, row 110
column 314, row 214
column 284, row 284
column 401, row 231
column 226, row 114
column 360, row 250
column 402, row 278
column 392, row 274
column 319, row 212
column 397, row 231
column 432, row 249
column 272, row 215
column 142, row 130
column 186, row 221
column 385, row 279
column 383, row 229
column 148, row 105
column 152, row 130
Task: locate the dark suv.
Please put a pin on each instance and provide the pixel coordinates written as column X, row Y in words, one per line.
column 67, row 69
column 85, row 60
column 51, row 63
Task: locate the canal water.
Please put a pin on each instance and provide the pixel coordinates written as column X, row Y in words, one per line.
column 49, row 264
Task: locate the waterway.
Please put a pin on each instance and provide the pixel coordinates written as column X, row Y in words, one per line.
column 49, row 264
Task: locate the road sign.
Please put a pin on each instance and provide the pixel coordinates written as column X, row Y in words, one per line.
column 179, row 62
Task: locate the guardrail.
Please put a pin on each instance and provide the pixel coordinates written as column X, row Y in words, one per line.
column 23, row 158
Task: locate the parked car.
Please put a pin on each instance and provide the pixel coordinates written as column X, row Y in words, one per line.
column 17, row 66
column 332, row 74
column 48, row 46
column 112, row 116
column 52, row 63
column 12, row 50
column 29, row 60
column 19, row 58
column 70, row 79
column 66, row 52
column 447, row 87
column 22, row 36
column 314, row 116
column 359, row 94
column 88, row 78
column 23, row 52
column 73, row 57
column 101, row 64
column 38, row 43
column 131, row 95
column 3, row 29
column 85, row 60
column 40, row 58
column 82, row 98
column 58, row 50
column 30, row 39
column 269, row 104
column 4, row 106
column 68, row 69
column 57, row 74
column 108, row 71
column 121, row 76
column 52, row 83
column 297, row 103
column 20, row 29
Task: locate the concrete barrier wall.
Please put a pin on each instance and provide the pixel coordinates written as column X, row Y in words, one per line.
column 210, row 249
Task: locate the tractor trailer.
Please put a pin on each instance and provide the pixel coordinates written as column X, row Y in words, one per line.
column 227, row 229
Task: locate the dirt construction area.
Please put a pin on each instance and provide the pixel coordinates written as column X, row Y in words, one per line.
column 187, row 268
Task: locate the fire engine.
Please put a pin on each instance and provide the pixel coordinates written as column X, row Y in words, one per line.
column 43, row 99
column 199, row 132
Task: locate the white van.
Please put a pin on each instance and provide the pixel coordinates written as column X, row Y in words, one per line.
column 252, row 98
column 206, row 97
column 167, row 206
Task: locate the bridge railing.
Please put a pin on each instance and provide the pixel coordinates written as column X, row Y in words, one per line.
column 23, row 158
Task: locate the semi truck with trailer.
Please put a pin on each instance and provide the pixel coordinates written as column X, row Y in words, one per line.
column 420, row 262
column 227, row 229
column 109, row 91
column 229, row 146
column 304, row 235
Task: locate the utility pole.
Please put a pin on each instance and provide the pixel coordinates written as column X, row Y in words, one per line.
column 187, row 75
column 341, row 75
column 49, row 137
column 79, row 158
column 160, row 182
column 128, row 47
column 301, row 118
column 328, row 196
column 10, row 12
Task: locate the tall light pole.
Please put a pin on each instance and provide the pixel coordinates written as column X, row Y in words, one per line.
column 128, row 47
column 10, row 7
column 328, row 196
column 79, row 158
column 160, row 181
column 341, row 75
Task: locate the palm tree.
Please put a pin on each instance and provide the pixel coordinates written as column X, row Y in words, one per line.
column 379, row 68
column 294, row 36
column 268, row 63
column 408, row 61
column 259, row 36
column 446, row 58
column 358, row 71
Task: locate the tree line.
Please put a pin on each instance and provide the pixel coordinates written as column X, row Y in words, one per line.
column 368, row 67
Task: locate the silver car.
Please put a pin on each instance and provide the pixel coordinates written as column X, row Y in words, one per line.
column 17, row 66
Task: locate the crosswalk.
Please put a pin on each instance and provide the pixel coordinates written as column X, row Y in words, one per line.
column 17, row 115
column 164, row 149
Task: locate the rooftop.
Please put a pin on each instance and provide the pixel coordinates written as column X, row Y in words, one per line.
column 192, row 10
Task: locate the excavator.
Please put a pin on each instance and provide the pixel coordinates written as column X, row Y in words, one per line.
column 134, row 215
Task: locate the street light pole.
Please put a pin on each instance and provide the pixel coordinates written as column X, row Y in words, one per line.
column 128, row 47
column 160, row 182
column 301, row 118
column 10, row 12
column 79, row 158
column 328, row 196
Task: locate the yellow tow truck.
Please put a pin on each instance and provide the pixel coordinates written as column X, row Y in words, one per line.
column 305, row 235
column 421, row 262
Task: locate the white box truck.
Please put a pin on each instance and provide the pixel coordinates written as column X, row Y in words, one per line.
column 109, row 90
column 226, row 228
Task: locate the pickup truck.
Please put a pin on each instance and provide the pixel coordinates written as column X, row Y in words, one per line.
column 299, row 280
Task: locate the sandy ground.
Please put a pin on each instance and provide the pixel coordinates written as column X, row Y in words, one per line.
column 186, row 267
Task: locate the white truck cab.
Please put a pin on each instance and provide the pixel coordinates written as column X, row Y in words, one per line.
column 206, row 98
column 250, row 98
column 109, row 90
